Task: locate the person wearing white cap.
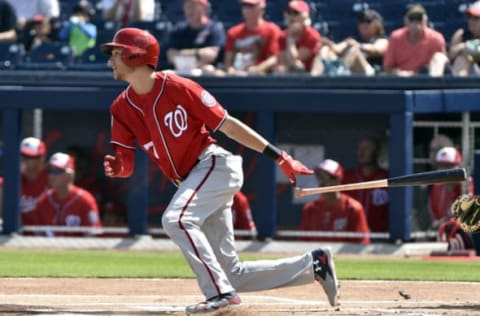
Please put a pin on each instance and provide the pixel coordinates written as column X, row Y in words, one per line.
column 34, row 178
column 65, row 204
column 334, row 211
column 464, row 52
column 443, row 194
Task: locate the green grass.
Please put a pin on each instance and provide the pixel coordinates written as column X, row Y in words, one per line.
column 136, row 264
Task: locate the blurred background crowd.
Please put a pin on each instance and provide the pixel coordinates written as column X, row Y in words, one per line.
column 213, row 37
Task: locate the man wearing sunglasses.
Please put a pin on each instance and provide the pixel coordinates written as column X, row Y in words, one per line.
column 415, row 48
column 335, row 211
column 65, row 204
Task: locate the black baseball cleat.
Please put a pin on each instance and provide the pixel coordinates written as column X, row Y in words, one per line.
column 324, row 272
column 224, row 302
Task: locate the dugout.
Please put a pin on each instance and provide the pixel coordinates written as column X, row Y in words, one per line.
column 292, row 109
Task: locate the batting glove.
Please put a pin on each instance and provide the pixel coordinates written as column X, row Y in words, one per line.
column 291, row 167
column 120, row 165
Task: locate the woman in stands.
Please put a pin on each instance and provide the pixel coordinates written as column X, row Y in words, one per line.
column 365, row 56
column 464, row 50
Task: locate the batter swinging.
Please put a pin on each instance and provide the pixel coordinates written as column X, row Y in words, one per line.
column 169, row 115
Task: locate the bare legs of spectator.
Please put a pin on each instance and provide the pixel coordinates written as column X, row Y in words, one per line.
column 462, row 65
column 355, row 60
column 437, row 65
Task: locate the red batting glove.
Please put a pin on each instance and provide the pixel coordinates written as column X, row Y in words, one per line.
column 113, row 165
column 291, row 167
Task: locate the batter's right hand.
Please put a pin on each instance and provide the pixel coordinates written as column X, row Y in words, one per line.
column 113, row 165
column 292, row 167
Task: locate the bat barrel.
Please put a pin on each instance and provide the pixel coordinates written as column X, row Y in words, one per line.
column 430, row 177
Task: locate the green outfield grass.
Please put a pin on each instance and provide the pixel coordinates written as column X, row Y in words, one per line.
column 136, row 264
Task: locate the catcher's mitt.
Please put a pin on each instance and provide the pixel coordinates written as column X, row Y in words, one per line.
column 466, row 209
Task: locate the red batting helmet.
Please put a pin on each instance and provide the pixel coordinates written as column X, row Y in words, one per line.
column 139, row 47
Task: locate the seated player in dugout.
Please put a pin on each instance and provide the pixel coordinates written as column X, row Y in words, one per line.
column 65, row 204
column 334, row 211
column 442, row 195
column 242, row 215
column 374, row 201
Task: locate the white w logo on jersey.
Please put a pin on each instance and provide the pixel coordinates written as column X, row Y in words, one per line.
column 177, row 121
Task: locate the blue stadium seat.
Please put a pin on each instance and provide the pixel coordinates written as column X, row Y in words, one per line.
column 159, row 28
column 173, row 10
column 92, row 59
column 48, row 56
column 10, row 55
column 228, row 12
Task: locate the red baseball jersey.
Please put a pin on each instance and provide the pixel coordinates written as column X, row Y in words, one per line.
column 310, row 39
column 254, row 45
column 242, row 214
column 345, row 216
column 31, row 191
column 442, row 196
column 375, row 201
column 79, row 208
column 170, row 122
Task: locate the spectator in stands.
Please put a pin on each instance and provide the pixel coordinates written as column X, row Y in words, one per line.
column 334, row 211
column 442, row 195
column 34, row 177
column 415, row 48
column 79, row 32
column 8, row 22
column 364, row 56
column 26, row 10
column 125, row 12
column 252, row 46
column 65, row 204
column 197, row 38
column 40, row 33
column 464, row 51
column 375, row 201
column 299, row 42
column 242, row 214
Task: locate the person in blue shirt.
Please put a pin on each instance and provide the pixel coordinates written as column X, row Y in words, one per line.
column 198, row 39
column 79, row 32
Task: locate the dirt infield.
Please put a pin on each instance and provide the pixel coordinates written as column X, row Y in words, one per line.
column 168, row 297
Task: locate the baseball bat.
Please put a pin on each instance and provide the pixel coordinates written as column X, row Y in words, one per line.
column 421, row 178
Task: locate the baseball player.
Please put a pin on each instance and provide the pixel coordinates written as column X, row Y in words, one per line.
column 65, row 204
column 375, row 201
column 334, row 211
column 242, row 214
column 169, row 117
column 34, row 178
column 442, row 195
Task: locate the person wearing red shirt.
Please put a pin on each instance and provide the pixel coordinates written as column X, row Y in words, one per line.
column 374, row 201
column 415, row 48
column 242, row 214
column 442, row 195
column 171, row 118
column 65, row 204
column 334, row 211
column 252, row 46
column 299, row 42
column 34, row 178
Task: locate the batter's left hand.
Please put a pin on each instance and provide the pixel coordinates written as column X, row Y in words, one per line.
column 292, row 167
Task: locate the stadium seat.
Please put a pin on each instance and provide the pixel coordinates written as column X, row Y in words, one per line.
column 159, row 28
column 10, row 55
column 173, row 11
column 48, row 56
column 92, row 59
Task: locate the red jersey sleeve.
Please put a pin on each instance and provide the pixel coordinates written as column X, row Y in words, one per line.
column 272, row 36
column 121, row 134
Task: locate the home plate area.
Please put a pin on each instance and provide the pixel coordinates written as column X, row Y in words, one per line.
column 78, row 297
